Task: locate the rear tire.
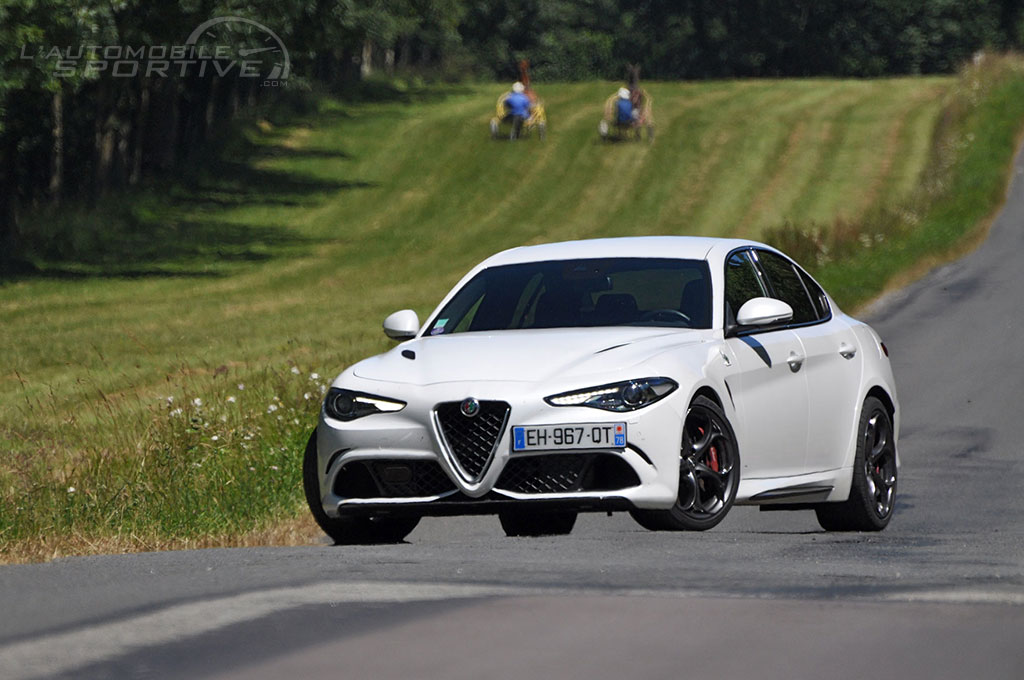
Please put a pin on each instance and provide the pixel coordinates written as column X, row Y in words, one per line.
column 873, row 489
column 709, row 473
column 349, row 530
column 537, row 523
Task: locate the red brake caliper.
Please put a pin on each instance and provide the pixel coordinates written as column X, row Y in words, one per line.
column 712, row 454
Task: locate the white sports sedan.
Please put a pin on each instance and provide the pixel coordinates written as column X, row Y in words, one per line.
column 670, row 377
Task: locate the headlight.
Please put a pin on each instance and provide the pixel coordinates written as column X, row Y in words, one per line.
column 348, row 405
column 623, row 396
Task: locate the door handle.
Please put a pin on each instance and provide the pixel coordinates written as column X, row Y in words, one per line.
column 795, row 361
column 847, row 351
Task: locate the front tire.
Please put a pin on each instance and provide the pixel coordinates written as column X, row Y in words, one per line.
column 518, row 523
column 873, row 489
column 349, row 530
column 709, row 473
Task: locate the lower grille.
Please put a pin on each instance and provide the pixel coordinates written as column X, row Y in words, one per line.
column 472, row 440
column 392, row 479
column 567, row 472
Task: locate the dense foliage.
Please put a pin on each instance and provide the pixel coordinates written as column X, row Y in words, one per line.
column 80, row 132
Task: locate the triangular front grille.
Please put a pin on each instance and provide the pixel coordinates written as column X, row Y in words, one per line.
column 471, row 440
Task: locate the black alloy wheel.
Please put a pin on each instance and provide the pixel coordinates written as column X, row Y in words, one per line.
column 709, row 473
column 873, row 489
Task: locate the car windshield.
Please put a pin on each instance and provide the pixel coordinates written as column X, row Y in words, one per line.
column 581, row 293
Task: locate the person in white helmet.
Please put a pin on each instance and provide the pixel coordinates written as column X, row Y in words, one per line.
column 628, row 111
column 624, row 112
column 518, row 106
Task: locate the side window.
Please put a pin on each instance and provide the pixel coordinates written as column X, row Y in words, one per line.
column 787, row 286
column 818, row 296
column 741, row 284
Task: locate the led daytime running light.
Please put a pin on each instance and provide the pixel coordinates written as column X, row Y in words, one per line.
column 577, row 398
column 628, row 395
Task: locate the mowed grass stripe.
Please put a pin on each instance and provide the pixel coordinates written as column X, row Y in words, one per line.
column 792, row 172
column 751, row 133
column 914, row 145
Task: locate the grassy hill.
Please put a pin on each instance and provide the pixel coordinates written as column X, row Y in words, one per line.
column 159, row 378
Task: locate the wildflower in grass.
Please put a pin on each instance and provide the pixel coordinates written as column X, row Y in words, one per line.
column 252, row 469
column 295, row 421
column 71, row 489
column 241, row 386
column 231, row 399
column 197, row 402
column 314, row 376
column 214, row 438
column 274, row 468
column 271, row 408
column 295, row 370
column 307, row 396
column 170, row 400
column 176, row 412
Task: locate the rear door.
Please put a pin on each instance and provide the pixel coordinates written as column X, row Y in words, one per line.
column 770, row 397
column 832, row 367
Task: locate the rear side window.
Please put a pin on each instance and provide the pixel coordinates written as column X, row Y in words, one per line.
column 741, row 284
column 818, row 296
column 788, row 286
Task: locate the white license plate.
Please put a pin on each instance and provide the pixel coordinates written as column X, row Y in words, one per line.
column 569, row 437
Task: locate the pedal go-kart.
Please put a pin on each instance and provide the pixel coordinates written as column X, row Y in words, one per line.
column 612, row 129
column 505, row 125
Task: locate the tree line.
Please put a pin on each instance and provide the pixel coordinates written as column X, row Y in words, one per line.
column 95, row 99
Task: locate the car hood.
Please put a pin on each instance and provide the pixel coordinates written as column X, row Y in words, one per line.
column 521, row 355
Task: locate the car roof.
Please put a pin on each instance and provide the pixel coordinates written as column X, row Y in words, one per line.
column 682, row 247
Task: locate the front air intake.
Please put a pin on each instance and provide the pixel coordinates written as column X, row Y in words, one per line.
column 471, row 440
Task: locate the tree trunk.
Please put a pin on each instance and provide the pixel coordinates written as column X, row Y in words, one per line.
column 139, row 143
column 210, row 114
column 10, row 233
column 165, row 127
column 57, row 153
column 366, row 63
column 405, row 53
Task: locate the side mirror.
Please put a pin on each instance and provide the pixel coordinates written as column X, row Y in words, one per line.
column 402, row 325
column 763, row 311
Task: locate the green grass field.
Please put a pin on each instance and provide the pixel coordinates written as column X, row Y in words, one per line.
column 273, row 271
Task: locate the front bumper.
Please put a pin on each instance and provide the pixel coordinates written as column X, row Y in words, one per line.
column 396, row 463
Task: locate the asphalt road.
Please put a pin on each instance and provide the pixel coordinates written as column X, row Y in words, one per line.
column 939, row 594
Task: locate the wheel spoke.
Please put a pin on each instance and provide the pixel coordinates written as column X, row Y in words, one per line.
column 718, row 479
column 688, row 491
column 880, row 447
column 698, row 448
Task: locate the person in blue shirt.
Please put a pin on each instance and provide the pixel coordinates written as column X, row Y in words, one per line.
column 518, row 106
column 624, row 108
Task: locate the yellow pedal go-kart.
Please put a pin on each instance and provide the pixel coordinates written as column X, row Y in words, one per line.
column 642, row 119
column 517, row 128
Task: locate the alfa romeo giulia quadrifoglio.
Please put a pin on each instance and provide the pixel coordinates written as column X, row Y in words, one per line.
column 669, row 377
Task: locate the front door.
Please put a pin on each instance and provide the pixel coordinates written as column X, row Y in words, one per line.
column 768, row 385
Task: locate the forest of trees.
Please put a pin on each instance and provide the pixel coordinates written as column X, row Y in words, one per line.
column 73, row 128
